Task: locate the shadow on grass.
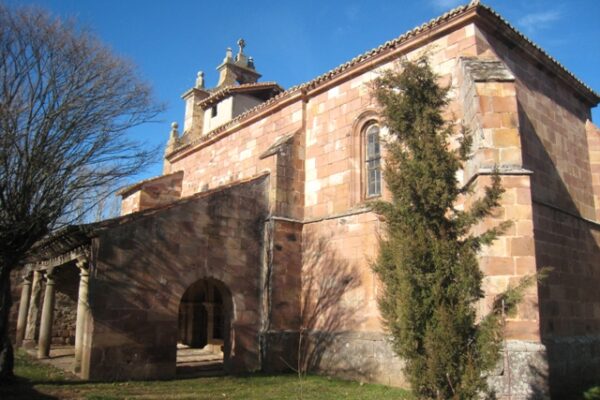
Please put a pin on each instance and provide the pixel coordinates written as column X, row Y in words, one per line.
column 35, row 378
column 22, row 388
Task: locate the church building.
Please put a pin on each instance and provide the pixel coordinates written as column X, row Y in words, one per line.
column 256, row 242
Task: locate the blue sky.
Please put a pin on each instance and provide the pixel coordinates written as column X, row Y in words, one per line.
column 295, row 41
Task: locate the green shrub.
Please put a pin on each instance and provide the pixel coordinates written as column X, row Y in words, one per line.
column 428, row 258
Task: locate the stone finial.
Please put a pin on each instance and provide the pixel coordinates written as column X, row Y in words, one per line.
column 251, row 63
column 173, row 137
column 174, row 131
column 474, row 3
column 228, row 56
column 200, row 80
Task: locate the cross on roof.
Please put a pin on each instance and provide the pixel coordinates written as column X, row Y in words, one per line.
column 242, row 44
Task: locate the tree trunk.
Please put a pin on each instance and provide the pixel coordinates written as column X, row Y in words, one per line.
column 6, row 350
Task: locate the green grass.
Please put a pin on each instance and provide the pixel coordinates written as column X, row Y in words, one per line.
column 38, row 381
column 592, row 393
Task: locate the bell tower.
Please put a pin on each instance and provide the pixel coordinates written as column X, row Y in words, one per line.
column 237, row 71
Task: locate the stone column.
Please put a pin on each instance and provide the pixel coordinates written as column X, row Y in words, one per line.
column 210, row 325
column 83, row 309
column 210, row 321
column 23, row 308
column 47, row 316
column 34, row 307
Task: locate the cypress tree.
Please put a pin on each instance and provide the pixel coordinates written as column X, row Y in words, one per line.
column 428, row 256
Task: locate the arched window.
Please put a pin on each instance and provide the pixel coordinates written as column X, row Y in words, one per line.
column 372, row 161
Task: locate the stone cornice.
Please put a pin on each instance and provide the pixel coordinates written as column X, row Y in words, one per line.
column 82, row 252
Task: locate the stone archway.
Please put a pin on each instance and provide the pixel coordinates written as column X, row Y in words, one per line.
column 203, row 327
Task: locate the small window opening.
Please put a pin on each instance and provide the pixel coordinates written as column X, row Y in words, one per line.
column 373, row 161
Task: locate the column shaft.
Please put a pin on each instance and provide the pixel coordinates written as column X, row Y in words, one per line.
column 210, row 320
column 32, row 314
column 47, row 316
column 23, row 309
column 82, row 314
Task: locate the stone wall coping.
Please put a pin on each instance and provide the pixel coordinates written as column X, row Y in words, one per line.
column 503, row 170
column 61, row 243
column 277, row 146
column 126, row 191
column 349, row 213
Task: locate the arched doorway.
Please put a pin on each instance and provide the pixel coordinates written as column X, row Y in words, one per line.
column 204, row 323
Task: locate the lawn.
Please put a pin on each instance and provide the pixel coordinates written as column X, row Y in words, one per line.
column 38, row 381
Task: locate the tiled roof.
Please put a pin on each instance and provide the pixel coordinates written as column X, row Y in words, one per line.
column 223, row 92
column 369, row 55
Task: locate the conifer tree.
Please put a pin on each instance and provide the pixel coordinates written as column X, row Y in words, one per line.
column 428, row 256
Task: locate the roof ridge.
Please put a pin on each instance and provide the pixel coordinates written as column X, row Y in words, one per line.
column 320, row 78
column 536, row 46
column 432, row 23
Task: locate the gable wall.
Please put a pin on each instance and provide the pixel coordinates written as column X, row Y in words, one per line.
column 552, row 126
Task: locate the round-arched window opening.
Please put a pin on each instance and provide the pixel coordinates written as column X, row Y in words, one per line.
column 372, row 153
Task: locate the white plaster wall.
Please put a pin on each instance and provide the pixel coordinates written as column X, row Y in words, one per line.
column 242, row 103
column 224, row 114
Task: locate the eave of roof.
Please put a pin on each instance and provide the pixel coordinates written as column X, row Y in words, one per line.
column 380, row 54
column 227, row 91
column 73, row 236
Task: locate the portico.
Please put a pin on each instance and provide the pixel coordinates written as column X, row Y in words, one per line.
column 37, row 307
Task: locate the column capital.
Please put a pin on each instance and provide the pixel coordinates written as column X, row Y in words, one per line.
column 27, row 277
column 82, row 262
column 50, row 275
column 84, row 266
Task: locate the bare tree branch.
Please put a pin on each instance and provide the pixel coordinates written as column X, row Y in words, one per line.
column 66, row 104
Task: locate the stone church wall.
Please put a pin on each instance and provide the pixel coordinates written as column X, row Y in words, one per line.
column 141, row 268
column 552, row 121
column 295, row 249
column 236, row 156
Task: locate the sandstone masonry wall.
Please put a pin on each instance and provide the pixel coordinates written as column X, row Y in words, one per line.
column 552, row 126
column 140, row 270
